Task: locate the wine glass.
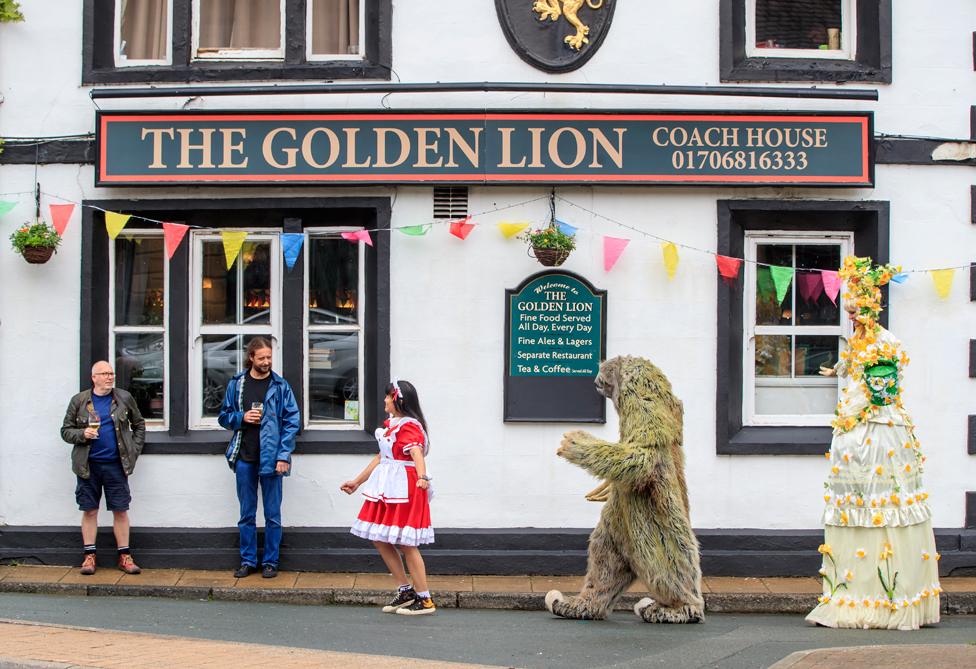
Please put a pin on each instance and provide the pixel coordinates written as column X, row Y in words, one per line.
column 94, row 420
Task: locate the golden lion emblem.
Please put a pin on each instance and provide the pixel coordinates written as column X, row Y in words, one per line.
column 552, row 9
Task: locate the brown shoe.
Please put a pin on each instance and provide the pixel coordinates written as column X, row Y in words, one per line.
column 127, row 565
column 88, row 565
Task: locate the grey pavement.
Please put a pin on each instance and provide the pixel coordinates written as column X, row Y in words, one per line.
column 502, row 638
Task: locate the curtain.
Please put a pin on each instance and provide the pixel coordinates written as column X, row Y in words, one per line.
column 240, row 24
column 335, row 27
column 143, row 29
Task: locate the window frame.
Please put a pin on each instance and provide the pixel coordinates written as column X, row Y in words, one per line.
column 308, row 328
column 231, row 54
column 871, row 49
column 99, row 46
column 121, row 62
column 198, row 329
column 842, row 330
column 325, row 57
column 289, row 214
column 848, row 22
column 867, row 220
column 115, row 330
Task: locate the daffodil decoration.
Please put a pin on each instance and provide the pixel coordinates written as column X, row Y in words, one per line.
column 878, row 363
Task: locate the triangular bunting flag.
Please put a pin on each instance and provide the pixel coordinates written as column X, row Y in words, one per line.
column 358, row 236
column 60, row 215
column 512, row 229
column 900, row 278
column 115, row 222
column 943, row 281
column 461, row 229
column 811, row 286
column 233, row 241
column 782, row 278
column 6, row 206
column 612, row 248
column 728, row 268
column 415, row 230
column 831, row 283
column 173, row 234
column 566, row 228
column 291, row 246
column 670, row 253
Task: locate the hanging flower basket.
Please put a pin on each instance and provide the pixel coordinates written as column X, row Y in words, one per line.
column 37, row 242
column 549, row 245
column 37, row 255
column 548, row 257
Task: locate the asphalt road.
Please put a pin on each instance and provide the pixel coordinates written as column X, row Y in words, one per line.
column 501, row 638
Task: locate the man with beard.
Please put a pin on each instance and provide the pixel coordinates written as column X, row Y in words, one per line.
column 260, row 408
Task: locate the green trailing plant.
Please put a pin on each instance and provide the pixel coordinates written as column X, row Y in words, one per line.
column 549, row 237
column 39, row 235
column 10, row 11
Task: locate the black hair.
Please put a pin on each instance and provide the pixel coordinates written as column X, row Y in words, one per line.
column 407, row 401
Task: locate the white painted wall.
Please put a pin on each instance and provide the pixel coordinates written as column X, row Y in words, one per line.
column 448, row 295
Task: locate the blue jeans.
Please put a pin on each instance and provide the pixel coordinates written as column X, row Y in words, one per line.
column 247, row 495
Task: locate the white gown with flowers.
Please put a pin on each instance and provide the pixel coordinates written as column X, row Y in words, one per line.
column 880, row 566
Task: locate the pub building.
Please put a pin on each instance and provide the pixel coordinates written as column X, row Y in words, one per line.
column 401, row 143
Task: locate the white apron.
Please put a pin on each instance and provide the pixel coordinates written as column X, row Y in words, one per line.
column 388, row 482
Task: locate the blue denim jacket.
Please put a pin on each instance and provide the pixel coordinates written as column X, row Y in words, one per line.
column 279, row 422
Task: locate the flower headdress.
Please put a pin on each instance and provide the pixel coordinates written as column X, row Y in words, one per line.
column 864, row 281
column 867, row 349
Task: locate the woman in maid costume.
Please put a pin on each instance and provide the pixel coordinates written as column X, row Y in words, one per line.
column 396, row 513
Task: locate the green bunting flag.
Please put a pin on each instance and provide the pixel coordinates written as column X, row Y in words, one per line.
column 782, row 278
column 765, row 288
column 6, row 206
column 415, row 230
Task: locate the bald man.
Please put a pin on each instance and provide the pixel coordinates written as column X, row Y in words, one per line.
column 108, row 433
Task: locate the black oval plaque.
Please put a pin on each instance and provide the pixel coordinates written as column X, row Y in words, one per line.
column 538, row 30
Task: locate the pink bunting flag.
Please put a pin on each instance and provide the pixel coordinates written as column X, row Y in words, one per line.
column 173, row 234
column 612, row 248
column 811, row 285
column 831, row 284
column 728, row 268
column 461, row 229
column 60, row 215
column 358, row 236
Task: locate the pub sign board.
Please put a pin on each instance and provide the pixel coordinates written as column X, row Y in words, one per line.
column 609, row 147
column 555, row 340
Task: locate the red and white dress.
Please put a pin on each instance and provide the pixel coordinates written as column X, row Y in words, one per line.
column 396, row 511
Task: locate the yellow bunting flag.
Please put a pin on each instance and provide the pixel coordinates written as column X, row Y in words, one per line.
column 115, row 222
column 512, row 229
column 233, row 241
column 943, row 281
column 670, row 252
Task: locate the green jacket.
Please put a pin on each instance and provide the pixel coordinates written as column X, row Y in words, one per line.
column 130, row 429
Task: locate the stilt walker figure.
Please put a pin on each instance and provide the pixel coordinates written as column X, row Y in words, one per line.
column 880, row 566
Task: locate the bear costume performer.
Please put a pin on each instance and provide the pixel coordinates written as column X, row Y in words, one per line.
column 644, row 531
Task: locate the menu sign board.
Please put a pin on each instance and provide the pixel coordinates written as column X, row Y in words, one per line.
column 555, row 340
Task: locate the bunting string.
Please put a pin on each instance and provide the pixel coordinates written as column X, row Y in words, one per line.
column 810, row 281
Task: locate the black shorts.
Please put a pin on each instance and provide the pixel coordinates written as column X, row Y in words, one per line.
column 107, row 475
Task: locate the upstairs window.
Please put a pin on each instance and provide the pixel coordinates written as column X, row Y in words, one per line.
column 334, row 29
column 142, row 32
column 160, row 41
column 239, row 29
column 805, row 40
column 800, row 28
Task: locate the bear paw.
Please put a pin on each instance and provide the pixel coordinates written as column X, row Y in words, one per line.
column 552, row 597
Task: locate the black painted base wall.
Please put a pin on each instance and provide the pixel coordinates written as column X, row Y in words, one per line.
column 740, row 552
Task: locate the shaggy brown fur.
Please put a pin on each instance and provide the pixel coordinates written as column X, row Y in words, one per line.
column 644, row 531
